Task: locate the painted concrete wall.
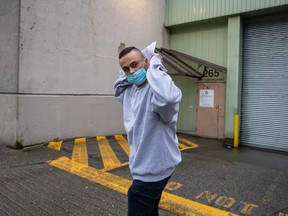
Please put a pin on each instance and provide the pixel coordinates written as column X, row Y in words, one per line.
column 234, row 75
column 68, row 63
column 187, row 112
column 9, row 37
column 186, row 11
column 207, row 41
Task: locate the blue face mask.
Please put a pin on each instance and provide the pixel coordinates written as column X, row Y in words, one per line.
column 138, row 77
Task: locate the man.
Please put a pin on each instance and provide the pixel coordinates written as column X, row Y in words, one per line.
column 150, row 109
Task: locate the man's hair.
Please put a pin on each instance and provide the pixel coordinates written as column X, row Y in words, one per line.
column 128, row 50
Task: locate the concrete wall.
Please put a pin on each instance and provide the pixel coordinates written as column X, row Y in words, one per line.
column 9, row 38
column 68, row 64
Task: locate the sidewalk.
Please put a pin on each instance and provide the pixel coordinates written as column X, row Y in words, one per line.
column 240, row 181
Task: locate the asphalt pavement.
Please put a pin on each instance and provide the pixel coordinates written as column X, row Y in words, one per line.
column 212, row 179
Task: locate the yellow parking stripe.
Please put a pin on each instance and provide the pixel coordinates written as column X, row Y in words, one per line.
column 98, row 176
column 123, row 143
column 110, row 160
column 191, row 144
column 79, row 154
column 182, row 146
column 55, row 145
column 169, row 202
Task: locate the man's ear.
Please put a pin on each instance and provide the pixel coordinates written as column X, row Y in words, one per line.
column 146, row 64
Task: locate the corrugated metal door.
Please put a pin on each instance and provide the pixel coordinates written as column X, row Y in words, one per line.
column 264, row 115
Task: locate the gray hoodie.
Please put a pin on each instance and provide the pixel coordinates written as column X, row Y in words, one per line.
column 150, row 115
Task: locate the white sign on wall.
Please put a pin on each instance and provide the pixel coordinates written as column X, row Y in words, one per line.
column 206, row 98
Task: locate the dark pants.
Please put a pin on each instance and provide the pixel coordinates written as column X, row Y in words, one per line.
column 144, row 197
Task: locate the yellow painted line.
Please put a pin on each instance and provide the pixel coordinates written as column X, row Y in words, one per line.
column 182, row 206
column 115, row 167
column 182, row 146
column 169, row 202
column 55, row 145
column 191, row 144
column 101, row 177
column 171, row 186
column 123, row 143
column 79, row 153
column 272, row 187
column 110, row 160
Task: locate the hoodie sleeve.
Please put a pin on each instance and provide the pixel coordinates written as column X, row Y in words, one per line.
column 120, row 86
column 166, row 95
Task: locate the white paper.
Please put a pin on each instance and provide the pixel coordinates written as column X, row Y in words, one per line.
column 206, row 98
